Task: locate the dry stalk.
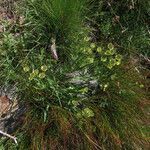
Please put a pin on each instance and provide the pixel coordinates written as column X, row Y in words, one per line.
column 10, row 136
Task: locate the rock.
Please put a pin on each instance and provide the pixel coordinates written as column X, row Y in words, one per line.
column 4, row 105
column 11, row 111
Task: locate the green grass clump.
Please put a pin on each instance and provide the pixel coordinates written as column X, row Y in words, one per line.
column 90, row 98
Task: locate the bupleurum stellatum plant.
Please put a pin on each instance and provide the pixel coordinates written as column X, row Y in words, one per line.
column 89, row 98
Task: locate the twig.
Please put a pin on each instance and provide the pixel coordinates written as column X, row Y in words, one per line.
column 97, row 146
column 12, row 137
column 113, row 12
column 145, row 58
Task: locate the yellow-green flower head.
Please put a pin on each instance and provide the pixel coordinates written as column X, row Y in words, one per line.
column 87, row 112
column 87, row 39
column 107, row 52
column 110, row 46
column 118, row 62
column 84, row 90
column 44, row 68
column 32, row 75
column 35, row 72
column 110, row 66
column 30, row 78
column 42, row 75
column 110, row 52
column 103, row 59
column 26, row 68
column 105, row 86
column 112, row 61
column 90, row 60
column 136, row 83
column 99, row 49
column 92, row 45
column 141, row 86
column 118, row 57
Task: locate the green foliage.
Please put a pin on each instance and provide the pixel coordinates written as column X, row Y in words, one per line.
column 124, row 23
column 62, row 113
